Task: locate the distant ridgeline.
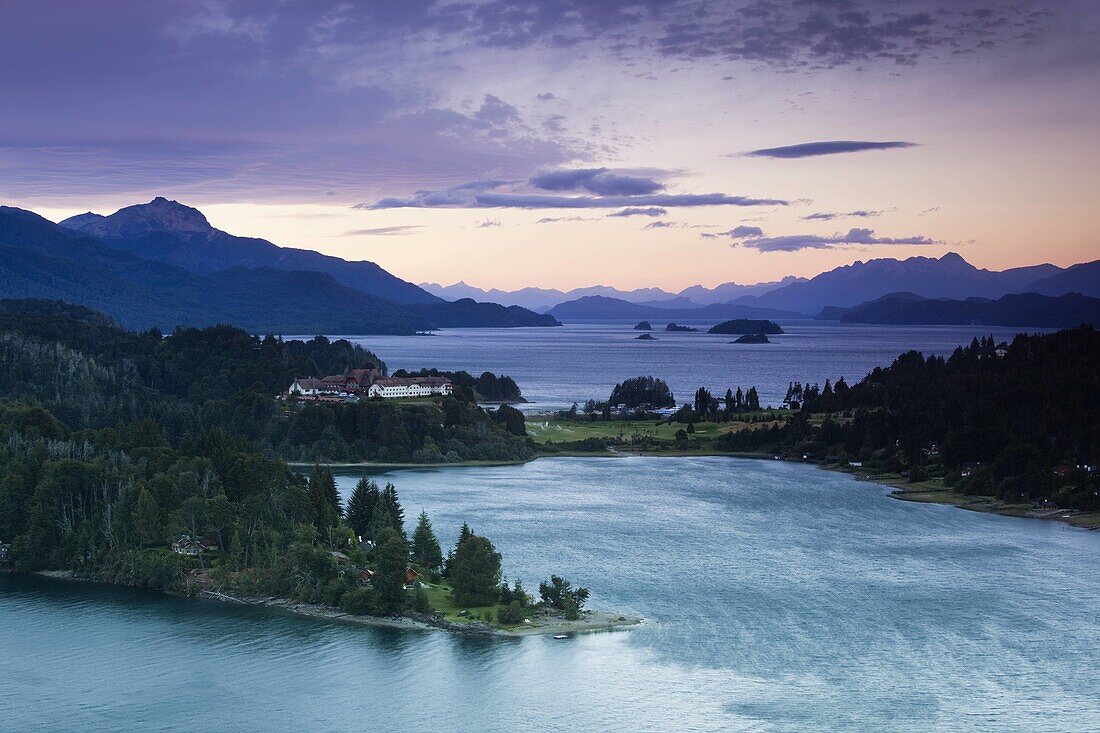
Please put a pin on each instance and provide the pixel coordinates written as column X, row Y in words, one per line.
column 1029, row 310
column 162, row 264
column 1017, row 421
column 88, row 374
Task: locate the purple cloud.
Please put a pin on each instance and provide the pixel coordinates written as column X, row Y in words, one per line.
column 481, row 195
column 854, row 237
column 826, row 147
column 602, row 181
column 383, row 231
column 831, row 215
column 647, row 211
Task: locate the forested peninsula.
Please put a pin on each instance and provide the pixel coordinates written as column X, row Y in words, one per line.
column 1010, row 427
column 158, row 461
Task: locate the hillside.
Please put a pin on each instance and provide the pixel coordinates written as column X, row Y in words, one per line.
column 168, row 231
column 1024, row 310
column 1083, row 278
column 949, row 276
column 40, row 259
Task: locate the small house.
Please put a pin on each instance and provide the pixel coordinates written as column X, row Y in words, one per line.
column 411, row 576
column 366, row 575
column 5, row 552
column 339, row 557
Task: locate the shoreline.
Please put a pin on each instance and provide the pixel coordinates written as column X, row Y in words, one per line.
column 925, row 493
column 545, row 624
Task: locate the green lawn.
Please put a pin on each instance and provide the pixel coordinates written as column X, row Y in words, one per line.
column 439, row 597
column 557, row 430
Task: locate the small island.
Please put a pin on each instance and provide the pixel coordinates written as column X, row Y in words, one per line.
column 678, row 327
column 643, row 326
column 746, row 325
column 752, row 338
column 645, row 337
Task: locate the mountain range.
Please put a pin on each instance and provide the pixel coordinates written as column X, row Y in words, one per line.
column 543, row 299
column 161, row 264
column 949, row 276
column 1024, row 309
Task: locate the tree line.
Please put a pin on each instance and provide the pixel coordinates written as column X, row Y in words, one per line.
column 1021, row 423
column 90, row 373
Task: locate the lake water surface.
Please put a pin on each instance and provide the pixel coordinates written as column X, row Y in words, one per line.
column 558, row 366
column 779, row 597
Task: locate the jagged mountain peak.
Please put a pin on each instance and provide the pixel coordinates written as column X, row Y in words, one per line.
column 159, row 215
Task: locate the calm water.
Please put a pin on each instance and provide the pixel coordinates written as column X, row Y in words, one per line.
column 780, row 598
column 557, row 366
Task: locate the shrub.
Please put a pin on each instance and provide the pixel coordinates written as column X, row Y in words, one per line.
column 360, row 602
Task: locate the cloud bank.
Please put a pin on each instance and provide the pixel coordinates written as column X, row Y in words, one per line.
column 753, row 238
column 640, row 195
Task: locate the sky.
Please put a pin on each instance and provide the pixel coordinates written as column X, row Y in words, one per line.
column 633, row 143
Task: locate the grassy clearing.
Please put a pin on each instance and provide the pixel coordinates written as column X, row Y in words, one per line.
column 439, row 596
column 543, row 430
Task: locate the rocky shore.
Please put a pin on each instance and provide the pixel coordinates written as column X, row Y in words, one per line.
column 541, row 622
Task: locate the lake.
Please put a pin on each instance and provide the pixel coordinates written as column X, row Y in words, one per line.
column 558, row 366
column 779, row 597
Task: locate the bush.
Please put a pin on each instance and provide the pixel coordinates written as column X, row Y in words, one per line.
column 420, row 602
column 511, row 614
column 360, row 602
column 334, row 590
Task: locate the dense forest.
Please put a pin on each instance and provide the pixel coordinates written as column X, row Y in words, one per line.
column 114, row 444
column 1020, row 423
column 107, row 503
column 90, row 373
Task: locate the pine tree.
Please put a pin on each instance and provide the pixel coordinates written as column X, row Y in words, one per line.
column 324, row 497
column 236, row 551
column 475, row 572
column 464, row 534
column 146, row 518
column 393, row 507
column 425, row 545
column 380, row 518
column 391, row 565
column 360, row 508
column 752, row 400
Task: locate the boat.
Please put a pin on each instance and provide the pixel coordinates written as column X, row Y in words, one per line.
column 561, row 636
